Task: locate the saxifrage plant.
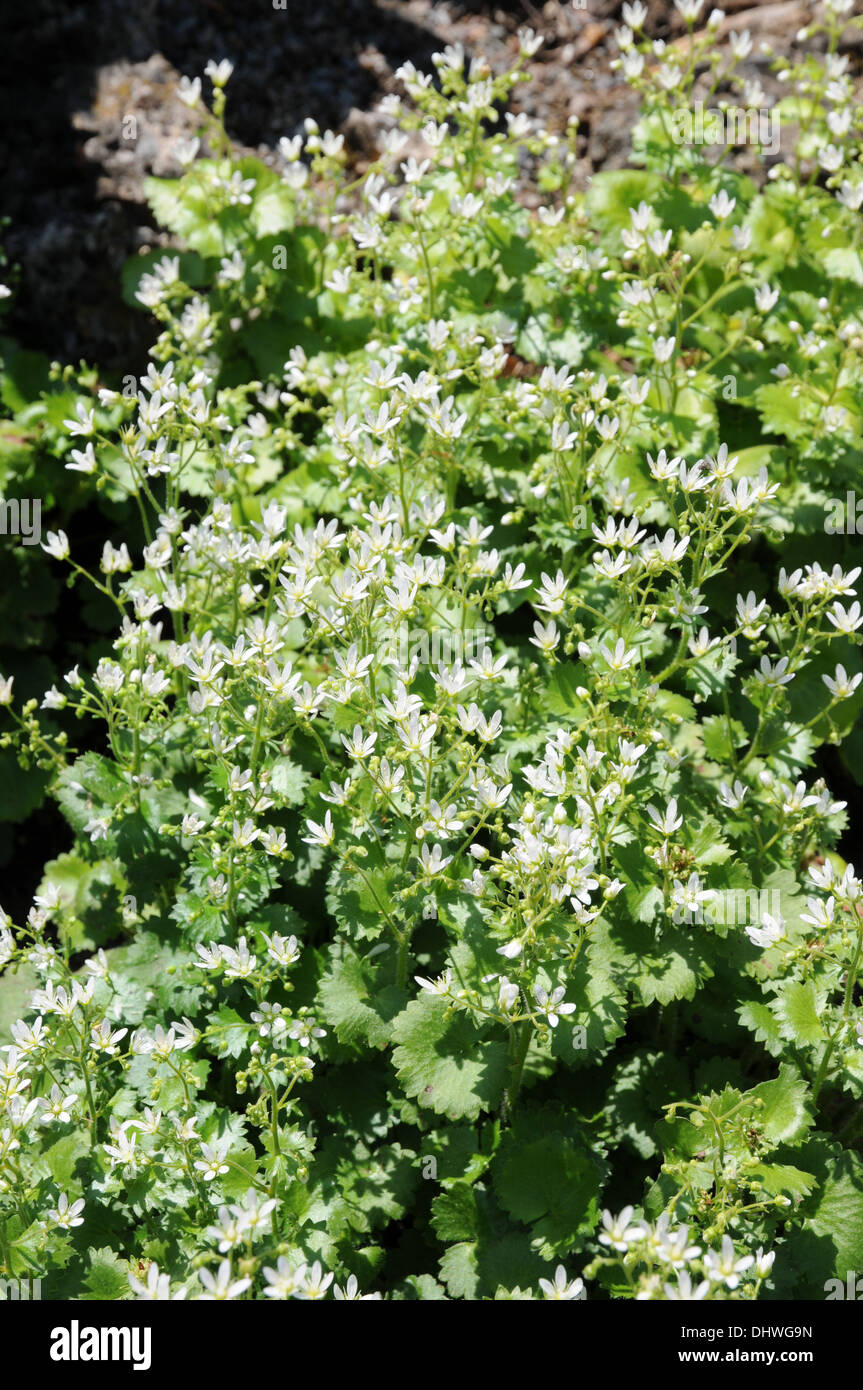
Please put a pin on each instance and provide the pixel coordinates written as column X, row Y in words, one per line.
column 454, row 908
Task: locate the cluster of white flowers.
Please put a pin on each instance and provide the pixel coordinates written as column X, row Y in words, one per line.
column 664, row 1263
column 271, row 636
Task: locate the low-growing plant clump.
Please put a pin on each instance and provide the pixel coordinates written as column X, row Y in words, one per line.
column 452, row 906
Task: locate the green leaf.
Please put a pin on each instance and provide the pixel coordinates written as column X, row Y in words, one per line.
column 782, row 408
column 797, row 1009
column 828, row 1242
column 444, row 1062
column 289, row 781
column 23, row 788
column 62, row 1158
column 354, row 1001
column 228, row 1032
column 459, row 1271
column 106, row 1277
column 360, row 905
column 426, row 1288
column 551, row 1183
column 89, row 895
column 782, row 1179
column 90, row 786
column 844, row 263
column 760, row 1020
column 672, row 968
column 613, row 192
column 455, row 1215
column 707, row 843
column 600, row 1004
column 838, row 1213
column 785, row 1116
column 559, row 696
column 15, row 990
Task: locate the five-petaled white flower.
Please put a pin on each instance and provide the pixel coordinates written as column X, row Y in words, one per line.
column 67, row 1214
column 550, row 1004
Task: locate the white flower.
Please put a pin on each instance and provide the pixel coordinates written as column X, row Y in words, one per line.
column 562, row 1288
column 189, row 91
column 283, row 950
column 765, row 298
column 511, row 949
column 723, row 1266
column 617, row 1231
column 663, row 349
column 439, row 986
column 846, row 620
column 222, row 1285
column 732, row 797
column 284, row 1280
column 185, row 151
column 774, row 675
column 701, row 643
column 771, row 930
column 550, row 1004
column 102, row 1039
column 688, row 897
column 684, row 1290
column 58, row 545
column 320, row 834
column 239, row 963
column 219, row 73
column 433, row 860
column 740, row 44
column 819, row 914
column 619, row 658
column 358, row 745
column 634, row 15
column 84, row 460
column 312, row 1283
column 213, row 1161
column 83, row 423
column 666, row 822
column 507, row 995
column 352, row 1291
column 545, row 637
column 721, row 205
column 551, row 593
column 157, row 1289
column 528, row 42
column 67, row 1214
column 841, row 685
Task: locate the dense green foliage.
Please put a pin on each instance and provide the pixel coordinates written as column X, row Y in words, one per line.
column 451, row 862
